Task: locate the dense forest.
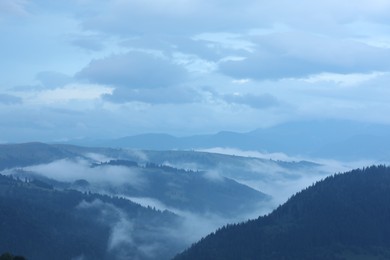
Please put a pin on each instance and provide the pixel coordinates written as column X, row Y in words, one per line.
column 9, row 256
column 40, row 222
column 345, row 216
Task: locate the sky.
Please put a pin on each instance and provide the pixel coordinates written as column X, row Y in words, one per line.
column 110, row 68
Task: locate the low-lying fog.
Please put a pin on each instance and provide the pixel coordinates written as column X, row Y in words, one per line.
column 276, row 175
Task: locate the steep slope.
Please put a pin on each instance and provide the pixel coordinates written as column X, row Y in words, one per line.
column 345, row 216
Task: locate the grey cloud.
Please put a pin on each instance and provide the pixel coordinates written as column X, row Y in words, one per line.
column 88, row 42
column 9, row 99
column 13, row 7
column 53, row 79
column 194, row 16
column 169, row 16
column 197, row 16
column 133, row 70
column 255, row 101
column 25, row 88
column 47, row 80
column 295, row 55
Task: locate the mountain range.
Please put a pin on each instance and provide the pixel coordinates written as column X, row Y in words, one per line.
column 332, row 139
column 116, row 203
column 106, row 203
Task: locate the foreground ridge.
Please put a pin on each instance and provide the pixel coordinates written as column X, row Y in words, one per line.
column 345, row 216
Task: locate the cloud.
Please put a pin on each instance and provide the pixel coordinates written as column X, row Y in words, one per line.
column 145, row 201
column 213, row 175
column 70, row 170
column 88, row 42
column 9, row 99
column 169, row 16
column 280, row 180
column 71, row 92
column 121, row 239
column 255, row 154
column 140, row 77
column 165, row 53
column 135, row 70
column 189, row 17
column 53, row 79
column 99, row 158
column 174, row 43
column 192, row 226
column 347, row 80
column 13, row 7
column 168, row 95
column 138, row 237
column 252, row 100
column 297, row 55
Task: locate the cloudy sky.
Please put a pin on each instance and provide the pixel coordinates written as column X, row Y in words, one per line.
column 110, row 68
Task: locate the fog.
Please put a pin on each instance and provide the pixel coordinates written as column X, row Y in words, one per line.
column 125, row 236
column 130, row 240
column 281, row 182
column 193, row 226
column 70, row 170
column 127, row 239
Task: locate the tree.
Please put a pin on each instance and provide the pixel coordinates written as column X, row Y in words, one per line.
column 8, row 256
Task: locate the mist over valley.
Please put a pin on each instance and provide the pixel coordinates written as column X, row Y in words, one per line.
column 196, row 129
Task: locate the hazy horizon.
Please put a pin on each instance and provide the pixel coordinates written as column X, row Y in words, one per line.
column 106, row 69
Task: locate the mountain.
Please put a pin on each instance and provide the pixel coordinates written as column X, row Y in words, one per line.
column 188, row 190
column 19, row 155
column 202, row 190
column 40, row 222
column 205, row 181
column 342, row 140
column 345, row 216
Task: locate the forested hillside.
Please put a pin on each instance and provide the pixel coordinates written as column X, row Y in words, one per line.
column 39, row 222
column 345, row 216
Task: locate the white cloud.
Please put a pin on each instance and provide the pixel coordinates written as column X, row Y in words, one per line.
column 151, row 202
column 99, row 158
column 241, row 81
column 70, row 170
column 344, row 79
column 121, row 227
column 83, row 92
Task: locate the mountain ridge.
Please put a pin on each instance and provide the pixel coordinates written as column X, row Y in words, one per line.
column 318, row 139
column 344, row 216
